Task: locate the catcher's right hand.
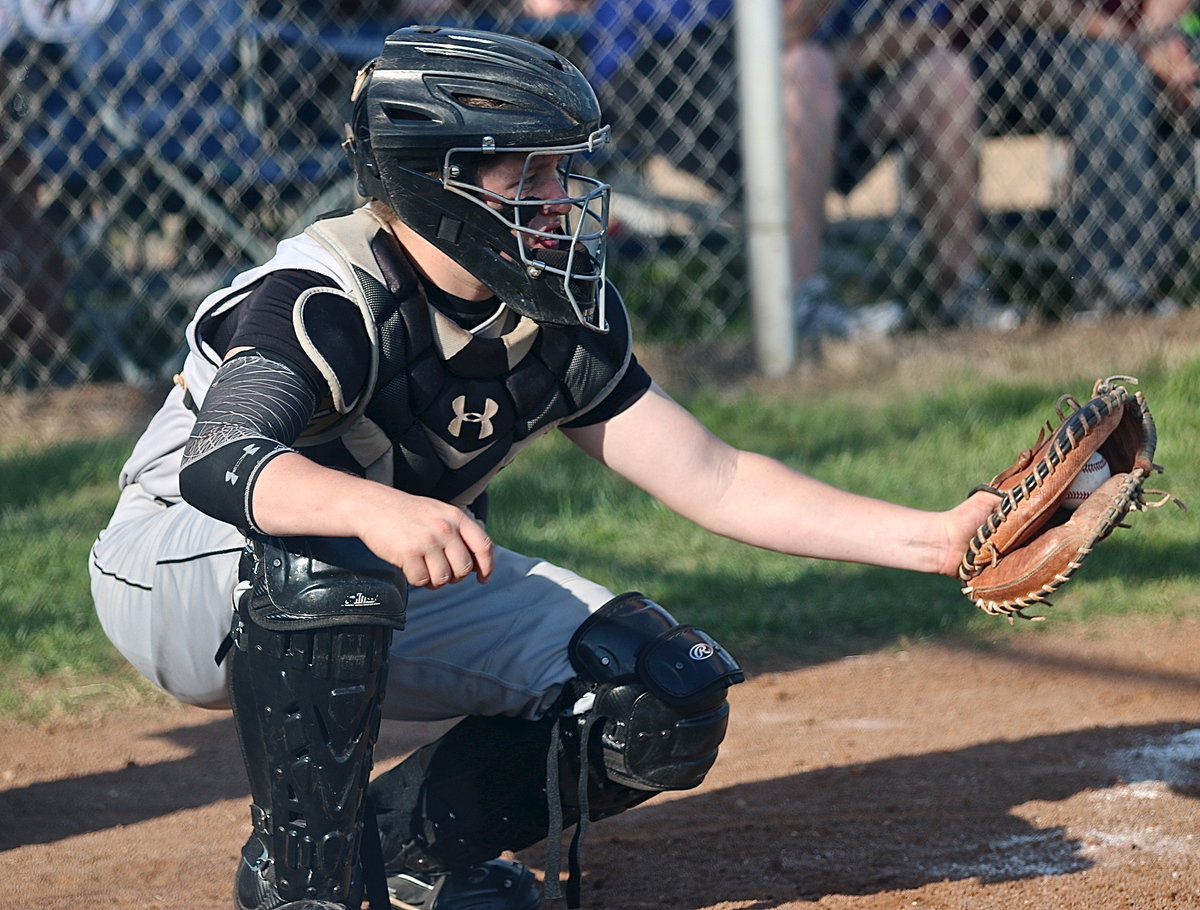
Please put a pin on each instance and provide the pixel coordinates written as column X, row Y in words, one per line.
column 1030, row 546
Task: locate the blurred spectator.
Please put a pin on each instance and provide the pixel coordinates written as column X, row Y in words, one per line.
column 556, row 24
column 551, row 9
column 34, row 322
column 1169, row 34
column 663, row 67
column 33, row 318
column 490, row 10
column 1098, row 75
column 864, row 80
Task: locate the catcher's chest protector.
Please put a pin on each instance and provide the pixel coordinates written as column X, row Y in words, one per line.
column 1030, row 545
column 446, row 410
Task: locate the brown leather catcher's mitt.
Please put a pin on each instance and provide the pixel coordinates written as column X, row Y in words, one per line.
column 1031, row 544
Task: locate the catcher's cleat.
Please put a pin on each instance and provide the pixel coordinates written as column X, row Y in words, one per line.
column 253, row 890
column 497, row 884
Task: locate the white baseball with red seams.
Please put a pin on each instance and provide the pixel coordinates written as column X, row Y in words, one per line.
column 1094, row 473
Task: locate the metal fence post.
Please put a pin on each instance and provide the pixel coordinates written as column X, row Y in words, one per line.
column 760, row 88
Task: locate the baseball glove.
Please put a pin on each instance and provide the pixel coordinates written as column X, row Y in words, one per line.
column 1030, row 545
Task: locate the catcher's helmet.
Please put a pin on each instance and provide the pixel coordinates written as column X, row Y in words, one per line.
column 429, row 111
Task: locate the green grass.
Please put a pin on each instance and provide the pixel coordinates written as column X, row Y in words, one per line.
column 54, row 503
column 925, row 450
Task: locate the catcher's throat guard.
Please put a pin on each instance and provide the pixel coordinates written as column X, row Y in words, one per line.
column 1030, row 546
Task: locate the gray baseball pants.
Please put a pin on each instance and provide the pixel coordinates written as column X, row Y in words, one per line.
column 163, row 580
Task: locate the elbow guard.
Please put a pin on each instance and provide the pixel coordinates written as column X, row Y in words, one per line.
column 256, row 406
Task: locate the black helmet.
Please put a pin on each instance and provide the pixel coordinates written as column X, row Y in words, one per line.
column 427, row 113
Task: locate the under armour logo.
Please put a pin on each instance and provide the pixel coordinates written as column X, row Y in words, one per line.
column 231, row 477
column 462, row 415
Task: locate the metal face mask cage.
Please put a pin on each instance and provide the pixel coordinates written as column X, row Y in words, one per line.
column 578, row 258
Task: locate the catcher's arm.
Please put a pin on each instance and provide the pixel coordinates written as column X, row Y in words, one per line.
column 659, row 446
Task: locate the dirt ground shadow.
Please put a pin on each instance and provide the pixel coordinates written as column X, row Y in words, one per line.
column 1053, row 770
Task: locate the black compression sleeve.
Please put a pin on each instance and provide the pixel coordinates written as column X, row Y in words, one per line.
column 255, row 408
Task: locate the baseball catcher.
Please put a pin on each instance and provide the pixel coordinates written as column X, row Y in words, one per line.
column 1049, row 517
column 310, row 504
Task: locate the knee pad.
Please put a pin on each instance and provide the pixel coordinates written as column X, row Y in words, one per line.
column 649, row 715
column 658, row 694
column 320, row 582
column 309, row 670
column 655, row 714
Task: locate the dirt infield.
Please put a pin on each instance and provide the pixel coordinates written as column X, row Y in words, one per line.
column 1054, row 767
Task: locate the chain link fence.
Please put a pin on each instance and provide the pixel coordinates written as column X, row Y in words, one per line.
column 1010, row 161
column 153, row 148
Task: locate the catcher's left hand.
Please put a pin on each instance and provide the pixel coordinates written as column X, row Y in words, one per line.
column 1030, row 546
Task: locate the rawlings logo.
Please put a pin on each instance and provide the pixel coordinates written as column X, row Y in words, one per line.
column 701, row 651
column 482, row 418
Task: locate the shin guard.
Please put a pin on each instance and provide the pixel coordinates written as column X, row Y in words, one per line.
column 647, row 713
column 307, row 695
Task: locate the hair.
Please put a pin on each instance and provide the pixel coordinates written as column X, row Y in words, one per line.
column 481, row 102
column 382, row 210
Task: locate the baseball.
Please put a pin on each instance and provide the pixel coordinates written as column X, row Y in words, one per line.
column 1094, row 473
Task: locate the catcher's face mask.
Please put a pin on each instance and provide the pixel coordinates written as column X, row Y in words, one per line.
column 559, row 235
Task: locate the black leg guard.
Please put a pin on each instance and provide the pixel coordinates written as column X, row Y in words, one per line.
column 657, row 715
column 307, row 708
column 475, row 792
column 307, row 705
